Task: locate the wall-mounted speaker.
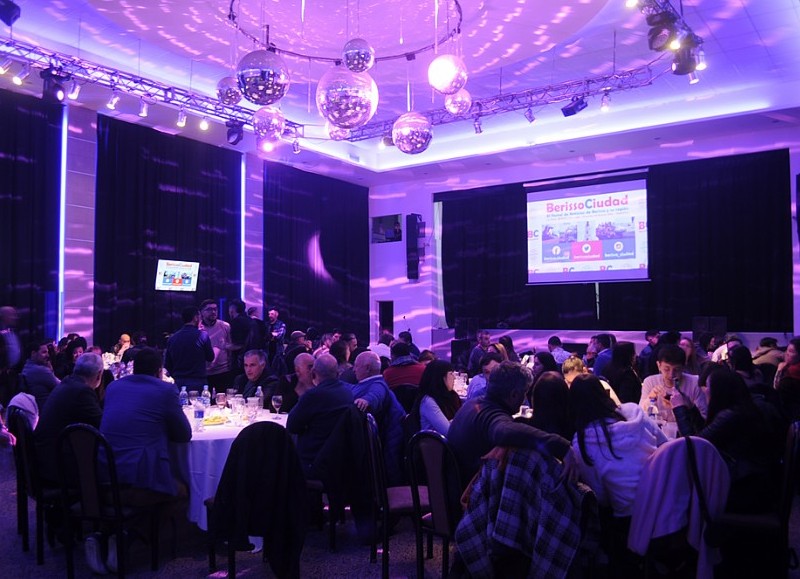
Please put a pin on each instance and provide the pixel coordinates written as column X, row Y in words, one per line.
column 415, row 230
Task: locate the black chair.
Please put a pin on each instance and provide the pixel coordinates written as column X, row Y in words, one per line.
column 88, row 471
column 406, row 395
column 433, row 467
column 261, row 493
column 388, row 502
column 29, row 485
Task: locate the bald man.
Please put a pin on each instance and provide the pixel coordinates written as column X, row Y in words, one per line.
column 317, row 411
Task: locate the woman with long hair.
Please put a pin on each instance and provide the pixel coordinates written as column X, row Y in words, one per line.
column 693, row 364
column 621, row 373
column 612, row 443
column 543, row 362
column 436, row 400
column 550, row 403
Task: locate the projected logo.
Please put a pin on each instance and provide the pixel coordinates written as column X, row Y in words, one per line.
column 587, row 251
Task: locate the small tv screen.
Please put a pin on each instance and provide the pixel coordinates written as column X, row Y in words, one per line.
column 177, row 276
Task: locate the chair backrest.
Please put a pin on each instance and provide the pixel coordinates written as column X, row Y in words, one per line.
column 406, row 394
column 432, row 463
column 24, row 451
column 789, row 477
column 376, row 463
column 86, row 465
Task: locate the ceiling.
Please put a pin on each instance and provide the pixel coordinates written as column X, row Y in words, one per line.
column 509, row 46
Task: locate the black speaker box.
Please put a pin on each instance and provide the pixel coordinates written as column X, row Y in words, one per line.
column 9, row 12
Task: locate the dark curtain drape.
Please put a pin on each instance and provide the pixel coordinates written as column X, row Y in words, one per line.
column 161, row 197
column 30, row 158
column 316, row 250
column 719, row 239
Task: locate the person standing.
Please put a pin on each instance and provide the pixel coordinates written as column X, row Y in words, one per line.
column 10, row 353
column 276, row 334
column 188, row 351
column 219, row 333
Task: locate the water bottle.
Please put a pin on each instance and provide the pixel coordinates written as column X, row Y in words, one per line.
column 260, row 397
column 183, row 396
column 199, row 414
column 206, row 396
column 652, row 410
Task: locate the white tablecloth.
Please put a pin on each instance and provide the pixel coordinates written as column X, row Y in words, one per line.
column 202, row 461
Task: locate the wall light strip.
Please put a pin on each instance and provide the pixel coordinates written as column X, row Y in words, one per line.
column 242, row 195
column 62, row 219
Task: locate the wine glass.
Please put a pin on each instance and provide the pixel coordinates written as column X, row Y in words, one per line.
column 277, row 402
column 222, row 399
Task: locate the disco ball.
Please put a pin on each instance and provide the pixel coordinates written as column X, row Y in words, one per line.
column 447, row 74
column 412, row 133
column 263, row 77
column 358, row 55
column 335, row 133
column 347, row 99
column 268, row 123
column 228, row 91
column 458, row 103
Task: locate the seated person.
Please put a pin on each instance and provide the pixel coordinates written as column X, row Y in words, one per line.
column 38, row 373
column 575, row 367
column 317, row 411
column 485, row 422
column 142, row 415
column 255, row 375
column 73, row 401
column 621, row 373
column 477, row 385
column 549, row 399
column 436, row 401
column 403, row 369
column 293, row 386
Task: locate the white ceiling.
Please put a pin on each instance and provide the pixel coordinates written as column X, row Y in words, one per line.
column 752, row 48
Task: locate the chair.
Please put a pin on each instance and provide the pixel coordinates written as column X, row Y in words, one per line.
column 773, row 524
column 261, row 493
column 388, row 502
column 406, row 395
column 433, row 466
column 29, row 485
column 88, row 471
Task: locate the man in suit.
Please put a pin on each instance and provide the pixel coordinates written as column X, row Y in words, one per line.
column 188, row 351
column 142, row 416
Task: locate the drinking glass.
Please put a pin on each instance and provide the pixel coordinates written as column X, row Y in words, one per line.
column 230, row 392
column 277, row 402
column 222, row 400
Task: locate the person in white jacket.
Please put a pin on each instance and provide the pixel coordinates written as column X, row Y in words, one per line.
column 612, row 443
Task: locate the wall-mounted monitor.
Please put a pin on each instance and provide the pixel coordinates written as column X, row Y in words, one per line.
column 387, row 228
column 177, row 276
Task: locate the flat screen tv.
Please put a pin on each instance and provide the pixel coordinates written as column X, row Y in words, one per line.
column 177, row 276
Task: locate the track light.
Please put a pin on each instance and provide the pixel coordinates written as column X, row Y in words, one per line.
column 204, row 124
column 677, row 42
column 684, row 62
column 605, row 103
column 529, row 115
column 235, row 132
column 53, row 80
column 477, row 125
column 693, row 78
column 5, row 65
column 576, row 105
column 24, row 73
column 144, row 108
column 700, row 58
column 74, row 90
column 181, row 122
column 662, row 31
column 113, row 101
column 296, row 147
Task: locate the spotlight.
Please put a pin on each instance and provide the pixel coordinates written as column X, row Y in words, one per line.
column 631, row 3
column 677, row 42
column 53, row 84
column 605, row 103
column 5, row 65
column 24, row 73
column 296, row 147
column 477, row 125
column 9, row 12
column 662, row 31
column 693, row 78
column 113, row 101
column 265, row 145
column 684, row 62
column 529, row 115
column 576, row 105
column 235, row 132
column 74, row 90
column 204, row 124
column 700, row 58
column 181, row 122
column 144, row 108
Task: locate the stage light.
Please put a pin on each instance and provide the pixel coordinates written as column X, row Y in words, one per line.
column 684, row 62
column 701, row 60
column 677, row 42
column 113, row 101
column 477, row 125
column 296, row 147
column 576, row 105
column 144, row 108
column 662, row 31
column 204, row 124
column 53, row 80
column 9, row 12
column 265, row 145
column 5, row 65
column 386, row 141
column 693, row 78
column 605, row 103
column 181, row 122
column 235, row 132
column 529, row 115
column 74, row 90
column 631, row 3
column 24, row 73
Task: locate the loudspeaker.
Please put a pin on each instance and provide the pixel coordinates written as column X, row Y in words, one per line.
column 413, row 224
column 9, row 12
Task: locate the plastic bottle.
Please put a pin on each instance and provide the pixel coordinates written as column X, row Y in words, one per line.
column 260, row 397
column 652, row 409
column 183, row 396
column 199, row 414
column 206, row 396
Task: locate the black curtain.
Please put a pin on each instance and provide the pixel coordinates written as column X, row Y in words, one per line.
column 30, row 160
column 719, row 240
column 161, row 197
column 316, row 250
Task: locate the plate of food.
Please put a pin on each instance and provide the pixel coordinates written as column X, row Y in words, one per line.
column 214, row 420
